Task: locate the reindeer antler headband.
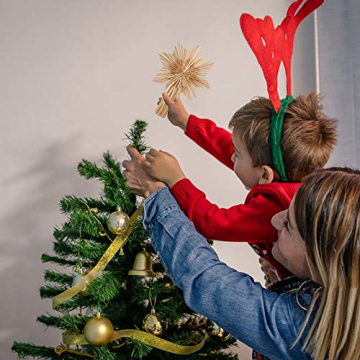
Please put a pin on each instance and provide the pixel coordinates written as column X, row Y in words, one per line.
column 271, row 47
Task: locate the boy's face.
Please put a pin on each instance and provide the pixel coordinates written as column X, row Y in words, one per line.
column 243, row 165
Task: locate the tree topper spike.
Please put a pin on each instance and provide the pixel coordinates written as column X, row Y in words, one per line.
column 272, row 46
column 183, row 71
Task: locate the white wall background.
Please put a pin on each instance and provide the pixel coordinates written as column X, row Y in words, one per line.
column 339, row 71
column 74, row 75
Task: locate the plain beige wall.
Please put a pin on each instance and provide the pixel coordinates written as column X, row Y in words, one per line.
column 74, row 75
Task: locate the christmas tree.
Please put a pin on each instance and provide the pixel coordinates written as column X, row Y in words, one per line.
column 114, row 300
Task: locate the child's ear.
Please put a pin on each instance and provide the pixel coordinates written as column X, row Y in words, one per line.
column 267, row 175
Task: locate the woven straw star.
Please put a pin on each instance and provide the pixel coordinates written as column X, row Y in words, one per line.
column 182, row 72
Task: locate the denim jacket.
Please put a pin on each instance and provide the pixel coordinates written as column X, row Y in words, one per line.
column 260, row 318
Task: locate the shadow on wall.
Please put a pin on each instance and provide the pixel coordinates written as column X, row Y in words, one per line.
column 27, row 233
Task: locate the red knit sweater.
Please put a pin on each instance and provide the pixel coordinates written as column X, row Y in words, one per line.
column 248, row 222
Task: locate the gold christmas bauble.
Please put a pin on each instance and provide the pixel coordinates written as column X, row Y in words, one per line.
column 98, row 331
column 154, row 324
column 118, row 222
column 76, row 279
column 214, row 330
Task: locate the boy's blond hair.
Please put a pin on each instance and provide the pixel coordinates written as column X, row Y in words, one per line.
column 308, row 135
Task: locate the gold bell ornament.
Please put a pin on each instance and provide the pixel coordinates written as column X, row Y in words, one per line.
column 142, row 265
column 118, row 222
column 154, row 324
column 214, row 330
column 98, row 331
column 79, row 273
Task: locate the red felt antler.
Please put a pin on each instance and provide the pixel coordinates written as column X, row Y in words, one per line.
column 272, row 46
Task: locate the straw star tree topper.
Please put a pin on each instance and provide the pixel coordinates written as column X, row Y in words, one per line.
column 182, row 72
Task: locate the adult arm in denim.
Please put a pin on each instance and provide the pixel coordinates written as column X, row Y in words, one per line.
column 261, row 319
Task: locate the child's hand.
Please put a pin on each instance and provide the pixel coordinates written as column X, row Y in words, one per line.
column 163, row 166
column 177, row 114
column 137, row 179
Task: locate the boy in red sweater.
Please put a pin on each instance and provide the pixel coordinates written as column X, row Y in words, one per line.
column 308, row 138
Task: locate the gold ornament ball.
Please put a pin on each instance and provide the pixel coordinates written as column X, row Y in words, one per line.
column 76, row 279
column 118, row 222
column 154, row 324
column 98, row 331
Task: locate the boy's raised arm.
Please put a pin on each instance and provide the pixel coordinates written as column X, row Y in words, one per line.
column 213, row 139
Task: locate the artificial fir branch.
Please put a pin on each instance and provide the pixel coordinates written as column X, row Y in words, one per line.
column 88, row 250
column 76, row 303
column 70, row 322
column 41, row 352
column 112, row 164
column 139, row 349
column 105, row 288
column 85, row 222
column 45, row 258
column 104, row 353
column 89, row 170
column 136, row 136
column 48, row 291
column 68, row 232
column 70, row 203
column 56, row 277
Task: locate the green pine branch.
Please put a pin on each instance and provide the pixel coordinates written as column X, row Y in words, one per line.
column 105, row 288
column 136, row 136
column 57, row 277
column 70, row 203
column 49, row 291
column 73, row 323
column 85, row 250
column 41, row 352
column 45, row 258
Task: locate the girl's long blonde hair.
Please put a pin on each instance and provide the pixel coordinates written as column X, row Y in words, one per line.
column 327, row 212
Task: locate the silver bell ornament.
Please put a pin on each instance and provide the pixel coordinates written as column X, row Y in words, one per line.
column 118, row 222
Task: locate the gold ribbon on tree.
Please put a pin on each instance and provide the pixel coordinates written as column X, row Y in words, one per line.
column 144, row 337
column 115, row 246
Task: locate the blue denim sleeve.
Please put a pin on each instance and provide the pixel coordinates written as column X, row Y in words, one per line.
column 258, row 317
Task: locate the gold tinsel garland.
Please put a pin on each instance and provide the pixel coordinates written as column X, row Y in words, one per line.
column 115, row 246
column 144, row 337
